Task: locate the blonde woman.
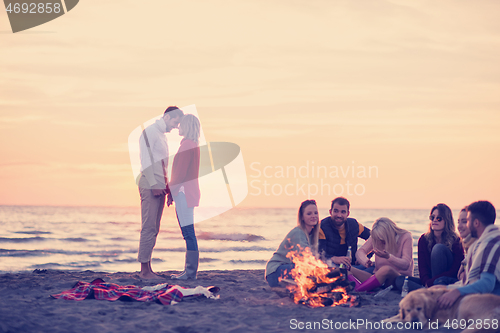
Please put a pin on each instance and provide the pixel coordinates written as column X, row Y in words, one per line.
column 305, row 234
column 186, row 190
column 393, row 249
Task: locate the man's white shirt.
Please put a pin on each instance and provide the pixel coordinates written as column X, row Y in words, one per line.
column 155, row 170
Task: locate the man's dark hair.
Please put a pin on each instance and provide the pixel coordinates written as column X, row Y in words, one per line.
column 341, row 201
column 483, row 211
column 173, row 112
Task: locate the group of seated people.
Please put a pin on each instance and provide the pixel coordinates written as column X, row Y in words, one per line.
column 467, row 261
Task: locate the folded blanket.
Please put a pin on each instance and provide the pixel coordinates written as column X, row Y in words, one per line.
column 164, row 293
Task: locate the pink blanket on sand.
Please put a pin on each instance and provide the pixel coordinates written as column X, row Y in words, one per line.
column 98, row 289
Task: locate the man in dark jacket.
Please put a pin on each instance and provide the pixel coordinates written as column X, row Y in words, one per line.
column 338, row 232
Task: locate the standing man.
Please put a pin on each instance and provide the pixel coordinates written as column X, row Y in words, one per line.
column 338, row 232
column 483, row 259
column 153, row 184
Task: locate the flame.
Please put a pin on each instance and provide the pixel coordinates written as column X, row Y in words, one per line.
column 313, row 282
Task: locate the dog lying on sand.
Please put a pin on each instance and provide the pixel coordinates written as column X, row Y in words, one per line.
column 471, row 313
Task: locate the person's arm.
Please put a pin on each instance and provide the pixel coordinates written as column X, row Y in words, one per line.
column 461, row 273
column 322, row 243
column 485, row 284
column 156, row 182
column 404, row 262
column 458, row 256
column 423, row 261
column 364, row 232
column 147, row 159
column 150, row 176
column 170, row 199
column 182, row 160
column 361, row 253
column 181, row 170
column 298, row 240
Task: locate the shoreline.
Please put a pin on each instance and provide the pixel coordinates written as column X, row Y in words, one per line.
column 246, row 304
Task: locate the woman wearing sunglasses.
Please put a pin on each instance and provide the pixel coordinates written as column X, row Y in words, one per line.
column 440, row 251
column 304, row 235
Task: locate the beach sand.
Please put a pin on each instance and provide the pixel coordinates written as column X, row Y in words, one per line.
column 246, row 304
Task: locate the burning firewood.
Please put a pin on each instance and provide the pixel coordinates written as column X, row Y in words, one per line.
column 317, row 285
column 333, row 273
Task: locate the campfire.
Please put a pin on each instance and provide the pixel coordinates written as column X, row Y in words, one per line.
column 317, row 285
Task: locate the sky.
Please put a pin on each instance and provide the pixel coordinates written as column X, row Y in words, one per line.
column 405, row 89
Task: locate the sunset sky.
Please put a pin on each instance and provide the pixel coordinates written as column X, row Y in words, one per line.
column 408, row 88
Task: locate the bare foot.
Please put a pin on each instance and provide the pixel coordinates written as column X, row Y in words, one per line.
column 149, row 276
column 160, row 276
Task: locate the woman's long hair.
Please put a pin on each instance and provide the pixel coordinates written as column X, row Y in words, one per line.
column 449, row 235
column 302, row 225
column 384, row 229
column 191, row 127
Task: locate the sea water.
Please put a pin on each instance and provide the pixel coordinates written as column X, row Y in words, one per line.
column 107, row 238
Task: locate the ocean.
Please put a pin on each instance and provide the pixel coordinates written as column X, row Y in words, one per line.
column 106, row 238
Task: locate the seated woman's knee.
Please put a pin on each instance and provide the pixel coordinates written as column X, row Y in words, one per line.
column 387, row 270
column 440, row 251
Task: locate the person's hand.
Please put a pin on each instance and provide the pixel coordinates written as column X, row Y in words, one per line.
column 447, row 299
column 328, row 262
column 383, row 254
column 368, row 263
column 169, row 199
column 158, row 192
column 342, row 260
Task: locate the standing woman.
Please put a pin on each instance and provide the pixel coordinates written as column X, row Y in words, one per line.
column 186, row 191
column 440, row 251
column 305, row 234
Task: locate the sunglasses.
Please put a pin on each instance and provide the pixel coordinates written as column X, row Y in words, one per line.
column 438, row 218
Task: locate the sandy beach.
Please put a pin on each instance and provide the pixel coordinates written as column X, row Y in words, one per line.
column 246, row 304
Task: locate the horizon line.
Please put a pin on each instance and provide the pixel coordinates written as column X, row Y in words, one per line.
column 237, row 207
